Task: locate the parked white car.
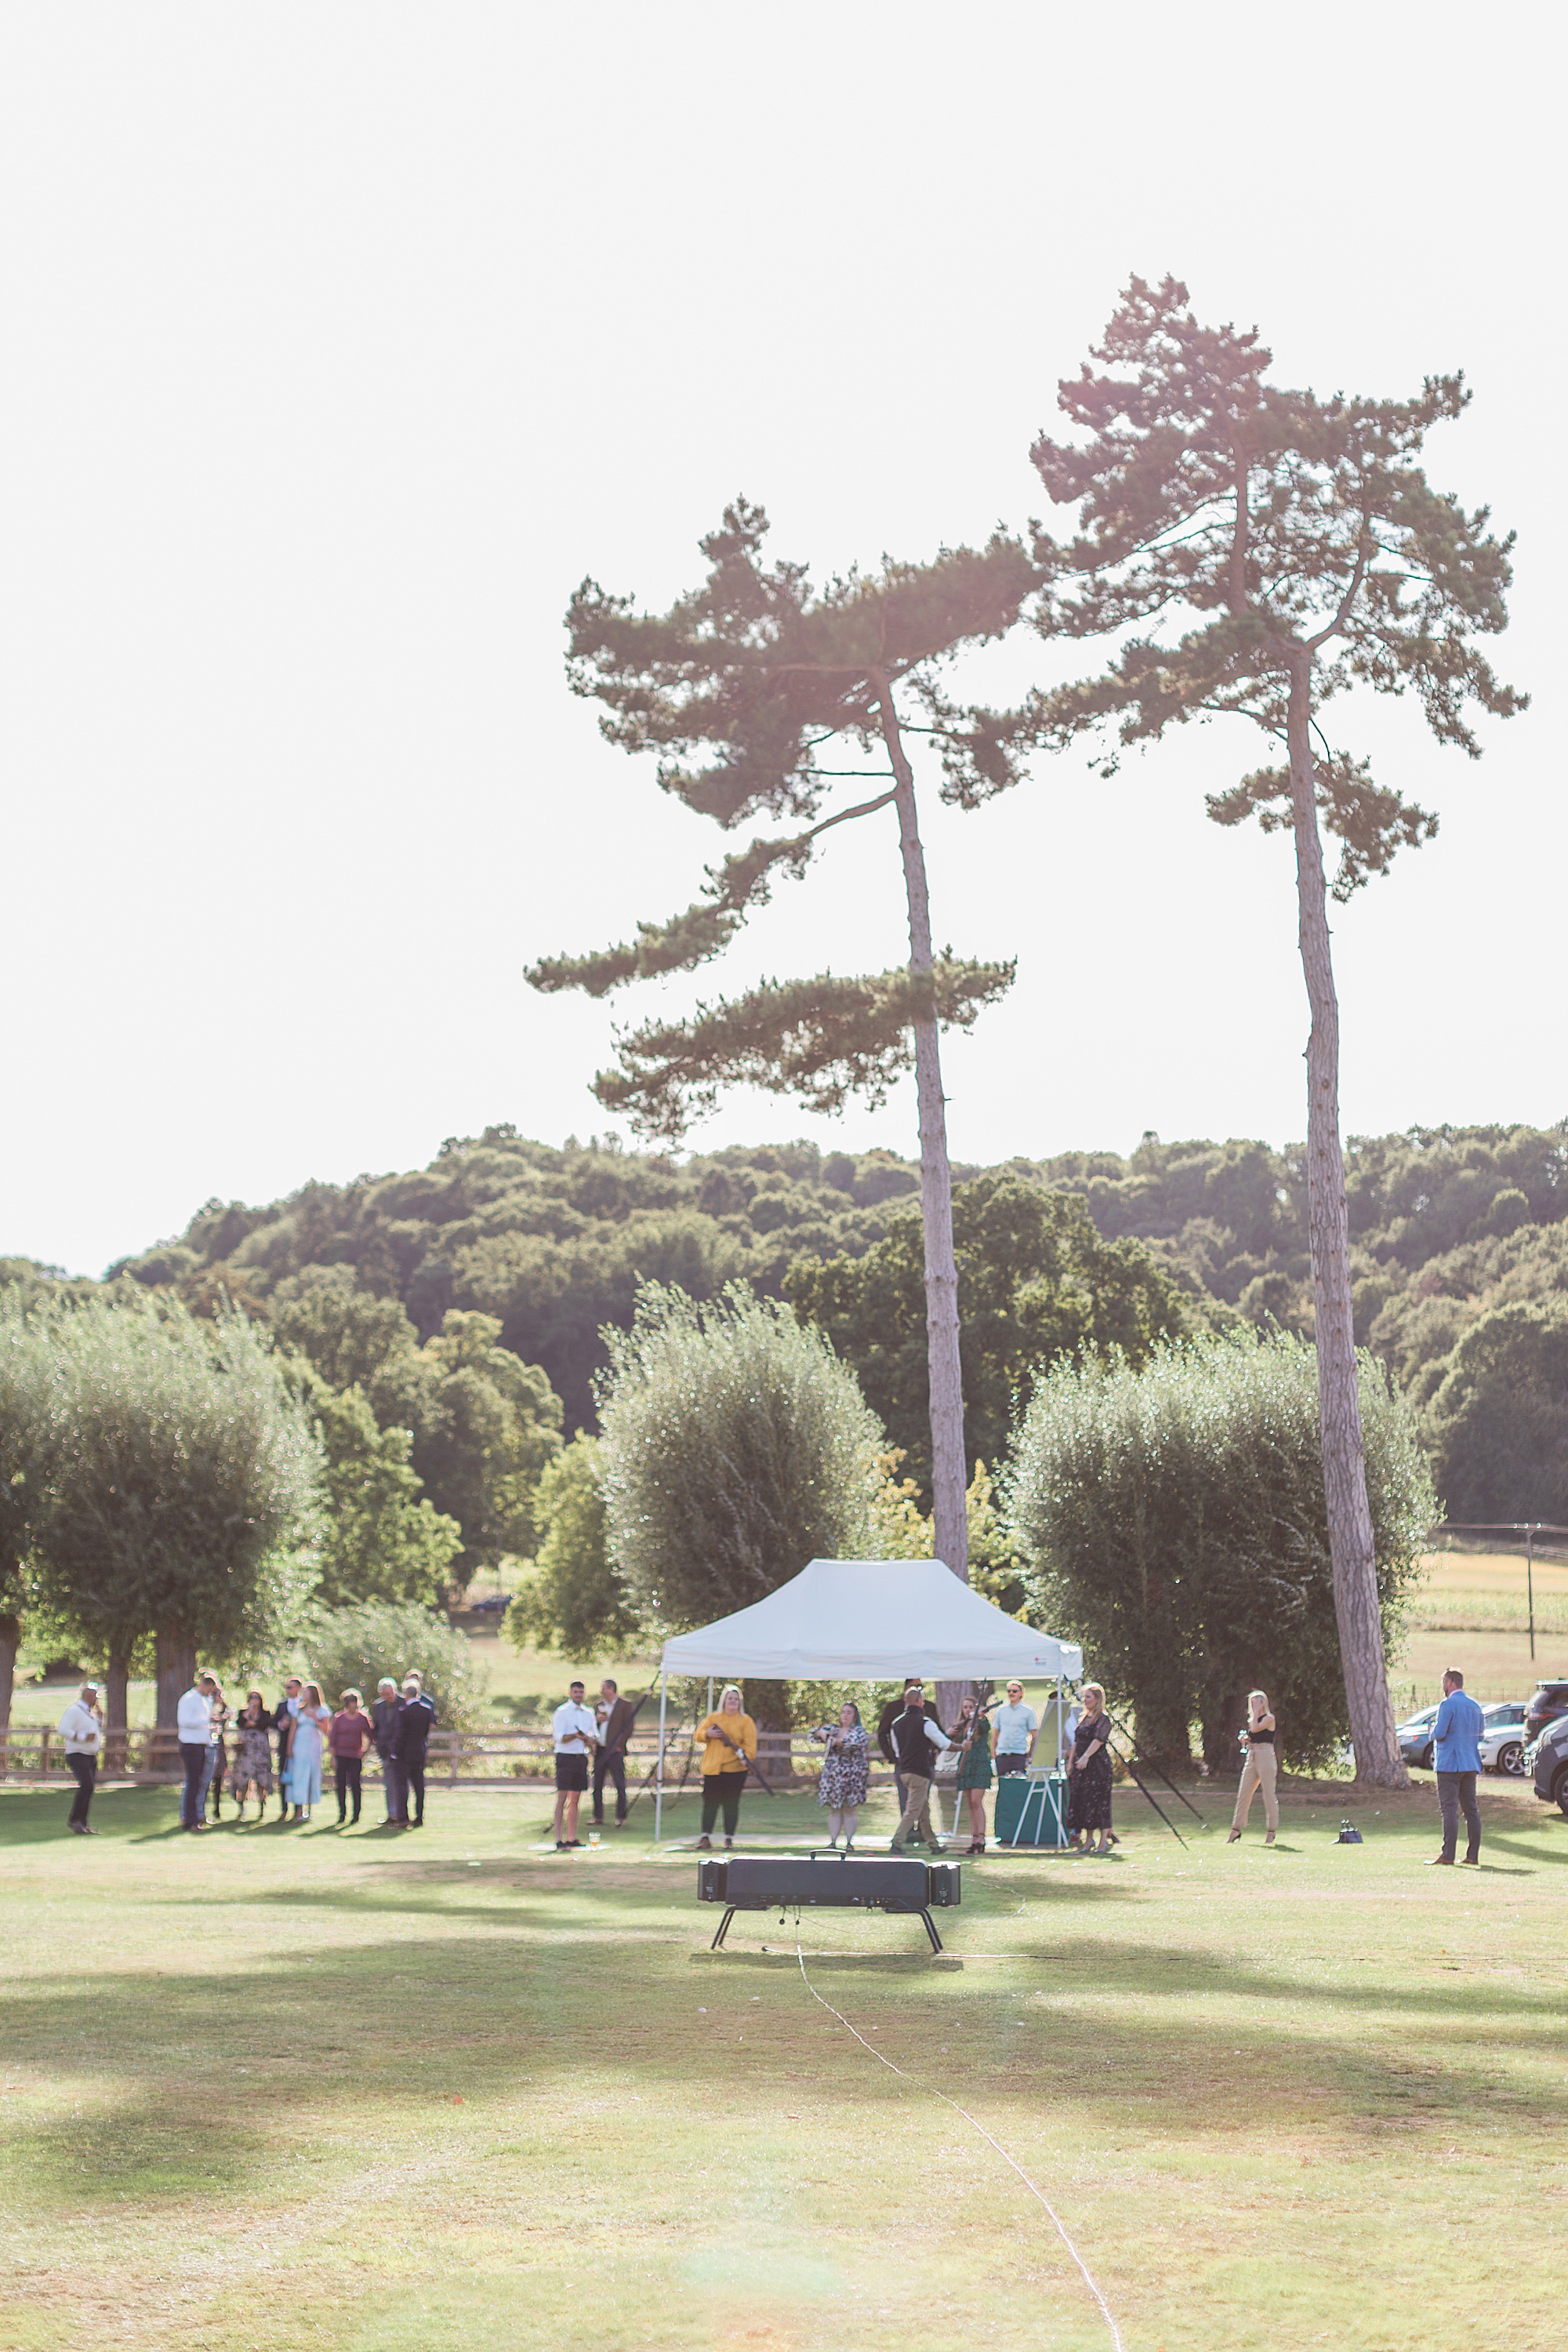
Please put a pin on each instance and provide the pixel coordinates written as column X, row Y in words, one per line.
column 1503, row 1741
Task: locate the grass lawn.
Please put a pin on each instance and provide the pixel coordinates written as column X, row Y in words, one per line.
column 373, row 2091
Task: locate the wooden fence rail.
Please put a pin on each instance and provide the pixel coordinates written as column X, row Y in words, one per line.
column 495, row 1759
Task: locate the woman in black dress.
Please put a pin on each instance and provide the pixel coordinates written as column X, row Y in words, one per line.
column 1089, row 1778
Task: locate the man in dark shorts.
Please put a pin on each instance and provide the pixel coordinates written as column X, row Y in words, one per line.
column 576, row 1735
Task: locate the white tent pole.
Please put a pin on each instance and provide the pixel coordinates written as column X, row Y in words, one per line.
column 658, row 1783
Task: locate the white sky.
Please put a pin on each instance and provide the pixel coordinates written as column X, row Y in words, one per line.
column 342, row 342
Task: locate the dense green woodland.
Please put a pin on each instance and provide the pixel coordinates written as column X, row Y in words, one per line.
column 422, row 1291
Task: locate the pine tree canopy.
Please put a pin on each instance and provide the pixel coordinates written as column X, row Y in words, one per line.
column 1230, row 530
column 738, row 688
column 819, row 1040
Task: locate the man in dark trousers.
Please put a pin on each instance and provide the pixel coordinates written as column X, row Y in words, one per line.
column 414, row 1723
column 384, row 1716
column 916, row 1741
column 615, row 1716
column 1456, row 1738
column 890, row 1716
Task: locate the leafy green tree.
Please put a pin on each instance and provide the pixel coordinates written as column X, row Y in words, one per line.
column 347, row 1332
column 738, row 688
column 181, row 1472
column 574, row 1601
column 735, row 1449
column 1173, row 1519
column 484, row 1425
column 378, row 1538
column 1038, row 1283
column 480, row 1425
column 1258, row 552
column 1499, row 1417
column 352, row 1648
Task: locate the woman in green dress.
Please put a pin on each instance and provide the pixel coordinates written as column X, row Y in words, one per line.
column 972, row 1737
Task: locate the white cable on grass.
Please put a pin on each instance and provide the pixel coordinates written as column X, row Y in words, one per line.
column 1087, row 2275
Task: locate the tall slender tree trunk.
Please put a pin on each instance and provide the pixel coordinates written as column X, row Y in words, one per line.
column 1351, row 1548
column 946, row 1377
column 944, row 1369
column 116, row 1711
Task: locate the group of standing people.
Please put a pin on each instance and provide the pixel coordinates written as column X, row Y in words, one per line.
column 220, row 1744
column 307, row 1732
column 579, row 1733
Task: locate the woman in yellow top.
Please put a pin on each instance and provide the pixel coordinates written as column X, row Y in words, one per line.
column 730, row 1738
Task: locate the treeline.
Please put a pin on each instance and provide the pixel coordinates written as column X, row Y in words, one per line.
column 1459, row 1253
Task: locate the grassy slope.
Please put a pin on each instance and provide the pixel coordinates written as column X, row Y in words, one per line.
column 1283, row 2098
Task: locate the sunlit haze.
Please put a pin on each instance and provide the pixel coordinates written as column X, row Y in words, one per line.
column 342, row 342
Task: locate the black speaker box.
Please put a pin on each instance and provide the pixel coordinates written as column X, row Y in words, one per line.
column 896, row 1882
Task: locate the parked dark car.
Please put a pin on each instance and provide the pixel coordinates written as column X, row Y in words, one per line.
column 1415, row 1738
column 1547, row 1702
column 1548, row 1759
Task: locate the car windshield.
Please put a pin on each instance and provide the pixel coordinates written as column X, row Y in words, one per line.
column 1508, row 1711
column 1428, row 1714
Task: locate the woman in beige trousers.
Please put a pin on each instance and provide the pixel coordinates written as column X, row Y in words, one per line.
column 1258, row 1770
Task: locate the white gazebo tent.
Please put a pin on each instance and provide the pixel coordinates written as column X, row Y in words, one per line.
column 865, row 1619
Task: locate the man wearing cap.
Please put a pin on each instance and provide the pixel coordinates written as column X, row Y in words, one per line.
column 81, row 1725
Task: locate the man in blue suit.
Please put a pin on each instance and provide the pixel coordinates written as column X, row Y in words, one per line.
column 1456, row 1736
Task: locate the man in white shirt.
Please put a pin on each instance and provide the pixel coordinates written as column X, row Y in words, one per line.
column 193, row 1721
column 1016, row 1728
column 576, row 1735
column 82, row 1728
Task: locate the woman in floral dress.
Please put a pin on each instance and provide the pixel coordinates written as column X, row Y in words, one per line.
column 846, row 1774
column 252, row 1766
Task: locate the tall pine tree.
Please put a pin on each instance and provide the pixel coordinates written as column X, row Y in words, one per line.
column 1259, row 552
column 738, row 688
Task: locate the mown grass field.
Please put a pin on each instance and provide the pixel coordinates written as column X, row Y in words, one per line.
column 373, row 2092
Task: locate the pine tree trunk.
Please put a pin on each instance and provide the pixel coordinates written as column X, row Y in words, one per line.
column 946, row 1378
column 1350, row 1549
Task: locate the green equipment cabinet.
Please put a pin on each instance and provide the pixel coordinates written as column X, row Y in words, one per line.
column 1030, row 1808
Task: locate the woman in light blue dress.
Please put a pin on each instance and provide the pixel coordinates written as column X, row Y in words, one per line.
column 304, row 1776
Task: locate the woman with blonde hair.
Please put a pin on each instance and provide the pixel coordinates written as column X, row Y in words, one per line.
column 305, row 1752
column 1089, row 1775
column 1258, row 1770
column 730, row 1741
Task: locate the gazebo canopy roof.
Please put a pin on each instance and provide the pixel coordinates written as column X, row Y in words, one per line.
column 872, row 1620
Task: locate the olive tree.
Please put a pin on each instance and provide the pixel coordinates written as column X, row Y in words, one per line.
column 1173, row 1520
column 24, row 1429
column 182, row 1468
column 735, row 1447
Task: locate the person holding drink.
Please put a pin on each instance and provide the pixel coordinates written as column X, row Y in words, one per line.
column 972, row 1738
column 846, row 1774
column 730, row 1744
